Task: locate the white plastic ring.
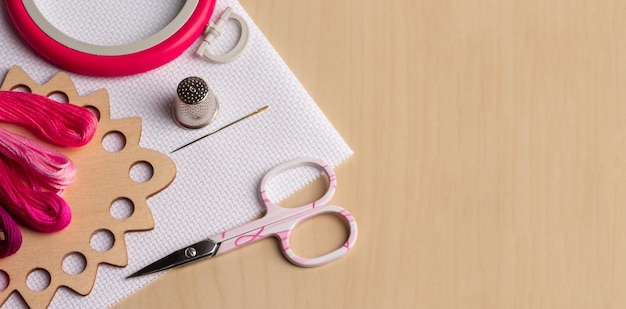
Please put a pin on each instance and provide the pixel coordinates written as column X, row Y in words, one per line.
column 214, row 31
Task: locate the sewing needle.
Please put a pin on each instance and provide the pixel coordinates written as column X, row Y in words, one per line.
column 224, row 127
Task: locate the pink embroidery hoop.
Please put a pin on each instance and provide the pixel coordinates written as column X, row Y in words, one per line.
column 84, row 58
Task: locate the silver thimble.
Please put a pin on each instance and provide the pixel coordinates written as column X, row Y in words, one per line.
column 196, row 105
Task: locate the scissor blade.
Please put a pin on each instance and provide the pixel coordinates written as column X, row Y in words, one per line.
column 203, row 249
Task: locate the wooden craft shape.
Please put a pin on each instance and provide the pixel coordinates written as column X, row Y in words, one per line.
column 102, row 179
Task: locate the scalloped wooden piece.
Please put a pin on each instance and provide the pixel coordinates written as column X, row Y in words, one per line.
column 102, row 177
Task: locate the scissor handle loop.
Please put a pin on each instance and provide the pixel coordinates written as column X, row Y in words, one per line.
column 316, row 163
column 289, row 226
column 280, row 222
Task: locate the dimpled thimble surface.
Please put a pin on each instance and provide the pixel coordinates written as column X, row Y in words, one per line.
column 196, row 105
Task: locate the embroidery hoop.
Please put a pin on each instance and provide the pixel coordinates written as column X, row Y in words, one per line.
column 128, row 59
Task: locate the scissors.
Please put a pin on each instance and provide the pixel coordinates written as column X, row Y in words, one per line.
column 277, row 221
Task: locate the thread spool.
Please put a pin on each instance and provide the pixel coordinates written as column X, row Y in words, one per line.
column 196, row 105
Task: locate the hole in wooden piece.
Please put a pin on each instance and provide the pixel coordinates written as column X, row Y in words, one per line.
column 122, row 208
column 21, row 88
column 74, row 263
column 114, row 141
column 102, row 240
column 94, row 110
column 141, row 172
column 4, row 280
column 58, row 96
column 38, row 279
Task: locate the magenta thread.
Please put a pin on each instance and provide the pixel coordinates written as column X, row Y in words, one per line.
column 33, row 175
column 42, row 167
column 12, row 235
column 43, row 211
column 58, row 123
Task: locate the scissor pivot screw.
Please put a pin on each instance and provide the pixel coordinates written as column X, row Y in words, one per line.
column 190, row 252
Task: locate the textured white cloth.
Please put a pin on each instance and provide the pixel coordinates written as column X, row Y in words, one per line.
column 216, row 184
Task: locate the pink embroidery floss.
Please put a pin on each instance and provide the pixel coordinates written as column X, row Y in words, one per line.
column 43, row 211
column 42, row 167
column 32, row 175
column 12, row 240
column 58, row 123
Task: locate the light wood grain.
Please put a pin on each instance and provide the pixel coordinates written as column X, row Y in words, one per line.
column 490, row 164
column 102, row 178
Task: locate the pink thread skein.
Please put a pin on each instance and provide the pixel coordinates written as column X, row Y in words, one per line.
column 12, row 235
column 43, row 167
column 58, row 123
column 32, row 175
column 43, row 211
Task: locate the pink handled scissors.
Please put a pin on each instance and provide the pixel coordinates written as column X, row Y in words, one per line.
column 277, row 221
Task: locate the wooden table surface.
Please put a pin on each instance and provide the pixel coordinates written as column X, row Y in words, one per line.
column 489, row 167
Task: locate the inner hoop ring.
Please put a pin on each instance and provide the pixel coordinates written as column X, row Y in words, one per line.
column 88, row 59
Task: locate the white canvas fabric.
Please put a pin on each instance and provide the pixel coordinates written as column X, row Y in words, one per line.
column 216, row 184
